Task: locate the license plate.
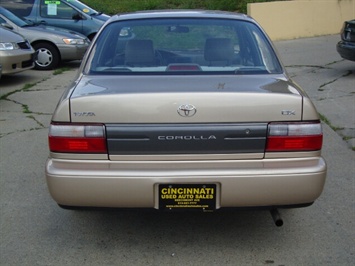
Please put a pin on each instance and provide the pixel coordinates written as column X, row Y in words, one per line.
column 187, row 197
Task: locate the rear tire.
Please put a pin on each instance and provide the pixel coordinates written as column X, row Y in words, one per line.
column 47, row 56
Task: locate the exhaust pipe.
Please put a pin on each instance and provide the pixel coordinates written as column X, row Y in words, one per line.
column 276, row 217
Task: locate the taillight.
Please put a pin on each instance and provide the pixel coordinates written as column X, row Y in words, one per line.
column 70, row 138
column 294, row 137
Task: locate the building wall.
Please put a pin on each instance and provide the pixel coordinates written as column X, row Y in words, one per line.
column 284, row 20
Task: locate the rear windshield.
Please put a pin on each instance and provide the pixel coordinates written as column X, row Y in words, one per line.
column 182, row 46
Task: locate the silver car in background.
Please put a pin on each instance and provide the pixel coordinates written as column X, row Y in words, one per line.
column 184, row 110
column 16, row 53
column 53, row 45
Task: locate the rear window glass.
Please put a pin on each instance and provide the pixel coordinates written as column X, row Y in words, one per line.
column 185, row 46
column 21, row 8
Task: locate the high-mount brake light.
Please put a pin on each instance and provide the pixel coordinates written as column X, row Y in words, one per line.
column 183, row 67
column 294, row 137
column 69, row 138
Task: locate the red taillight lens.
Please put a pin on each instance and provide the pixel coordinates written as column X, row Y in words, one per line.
column 77, row 138
column 294, row 137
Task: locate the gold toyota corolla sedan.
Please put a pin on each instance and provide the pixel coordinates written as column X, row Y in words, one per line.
column 184, row 110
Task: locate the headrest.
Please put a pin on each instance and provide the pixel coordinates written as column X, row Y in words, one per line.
column 139, row 53
column 219, row 49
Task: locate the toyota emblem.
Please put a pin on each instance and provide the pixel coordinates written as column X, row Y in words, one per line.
column 187, row 110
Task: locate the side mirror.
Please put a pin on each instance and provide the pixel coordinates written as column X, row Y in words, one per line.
column 77, row 16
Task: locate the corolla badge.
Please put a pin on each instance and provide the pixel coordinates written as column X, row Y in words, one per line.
column 187, row 110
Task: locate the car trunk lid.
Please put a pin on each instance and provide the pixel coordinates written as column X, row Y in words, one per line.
column 158, row 99
column 186, row 115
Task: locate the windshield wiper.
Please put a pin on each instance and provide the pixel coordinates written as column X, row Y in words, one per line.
column 96, row 14
column 116, row 69
column 251, row 70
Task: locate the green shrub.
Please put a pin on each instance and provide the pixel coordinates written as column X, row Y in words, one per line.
column 120, row 6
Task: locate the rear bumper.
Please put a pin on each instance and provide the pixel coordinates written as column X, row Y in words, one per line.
column 247, row 183
column 346, row 50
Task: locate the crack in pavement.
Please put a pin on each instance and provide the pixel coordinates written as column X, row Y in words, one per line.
column 39, row 123
column 336, row 79
column 25, row 108
column 310, row 66
column 17, row 131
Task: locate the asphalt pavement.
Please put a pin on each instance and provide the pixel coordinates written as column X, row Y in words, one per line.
column 35, row 231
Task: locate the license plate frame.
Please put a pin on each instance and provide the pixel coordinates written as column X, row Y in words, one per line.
column 187, row 197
